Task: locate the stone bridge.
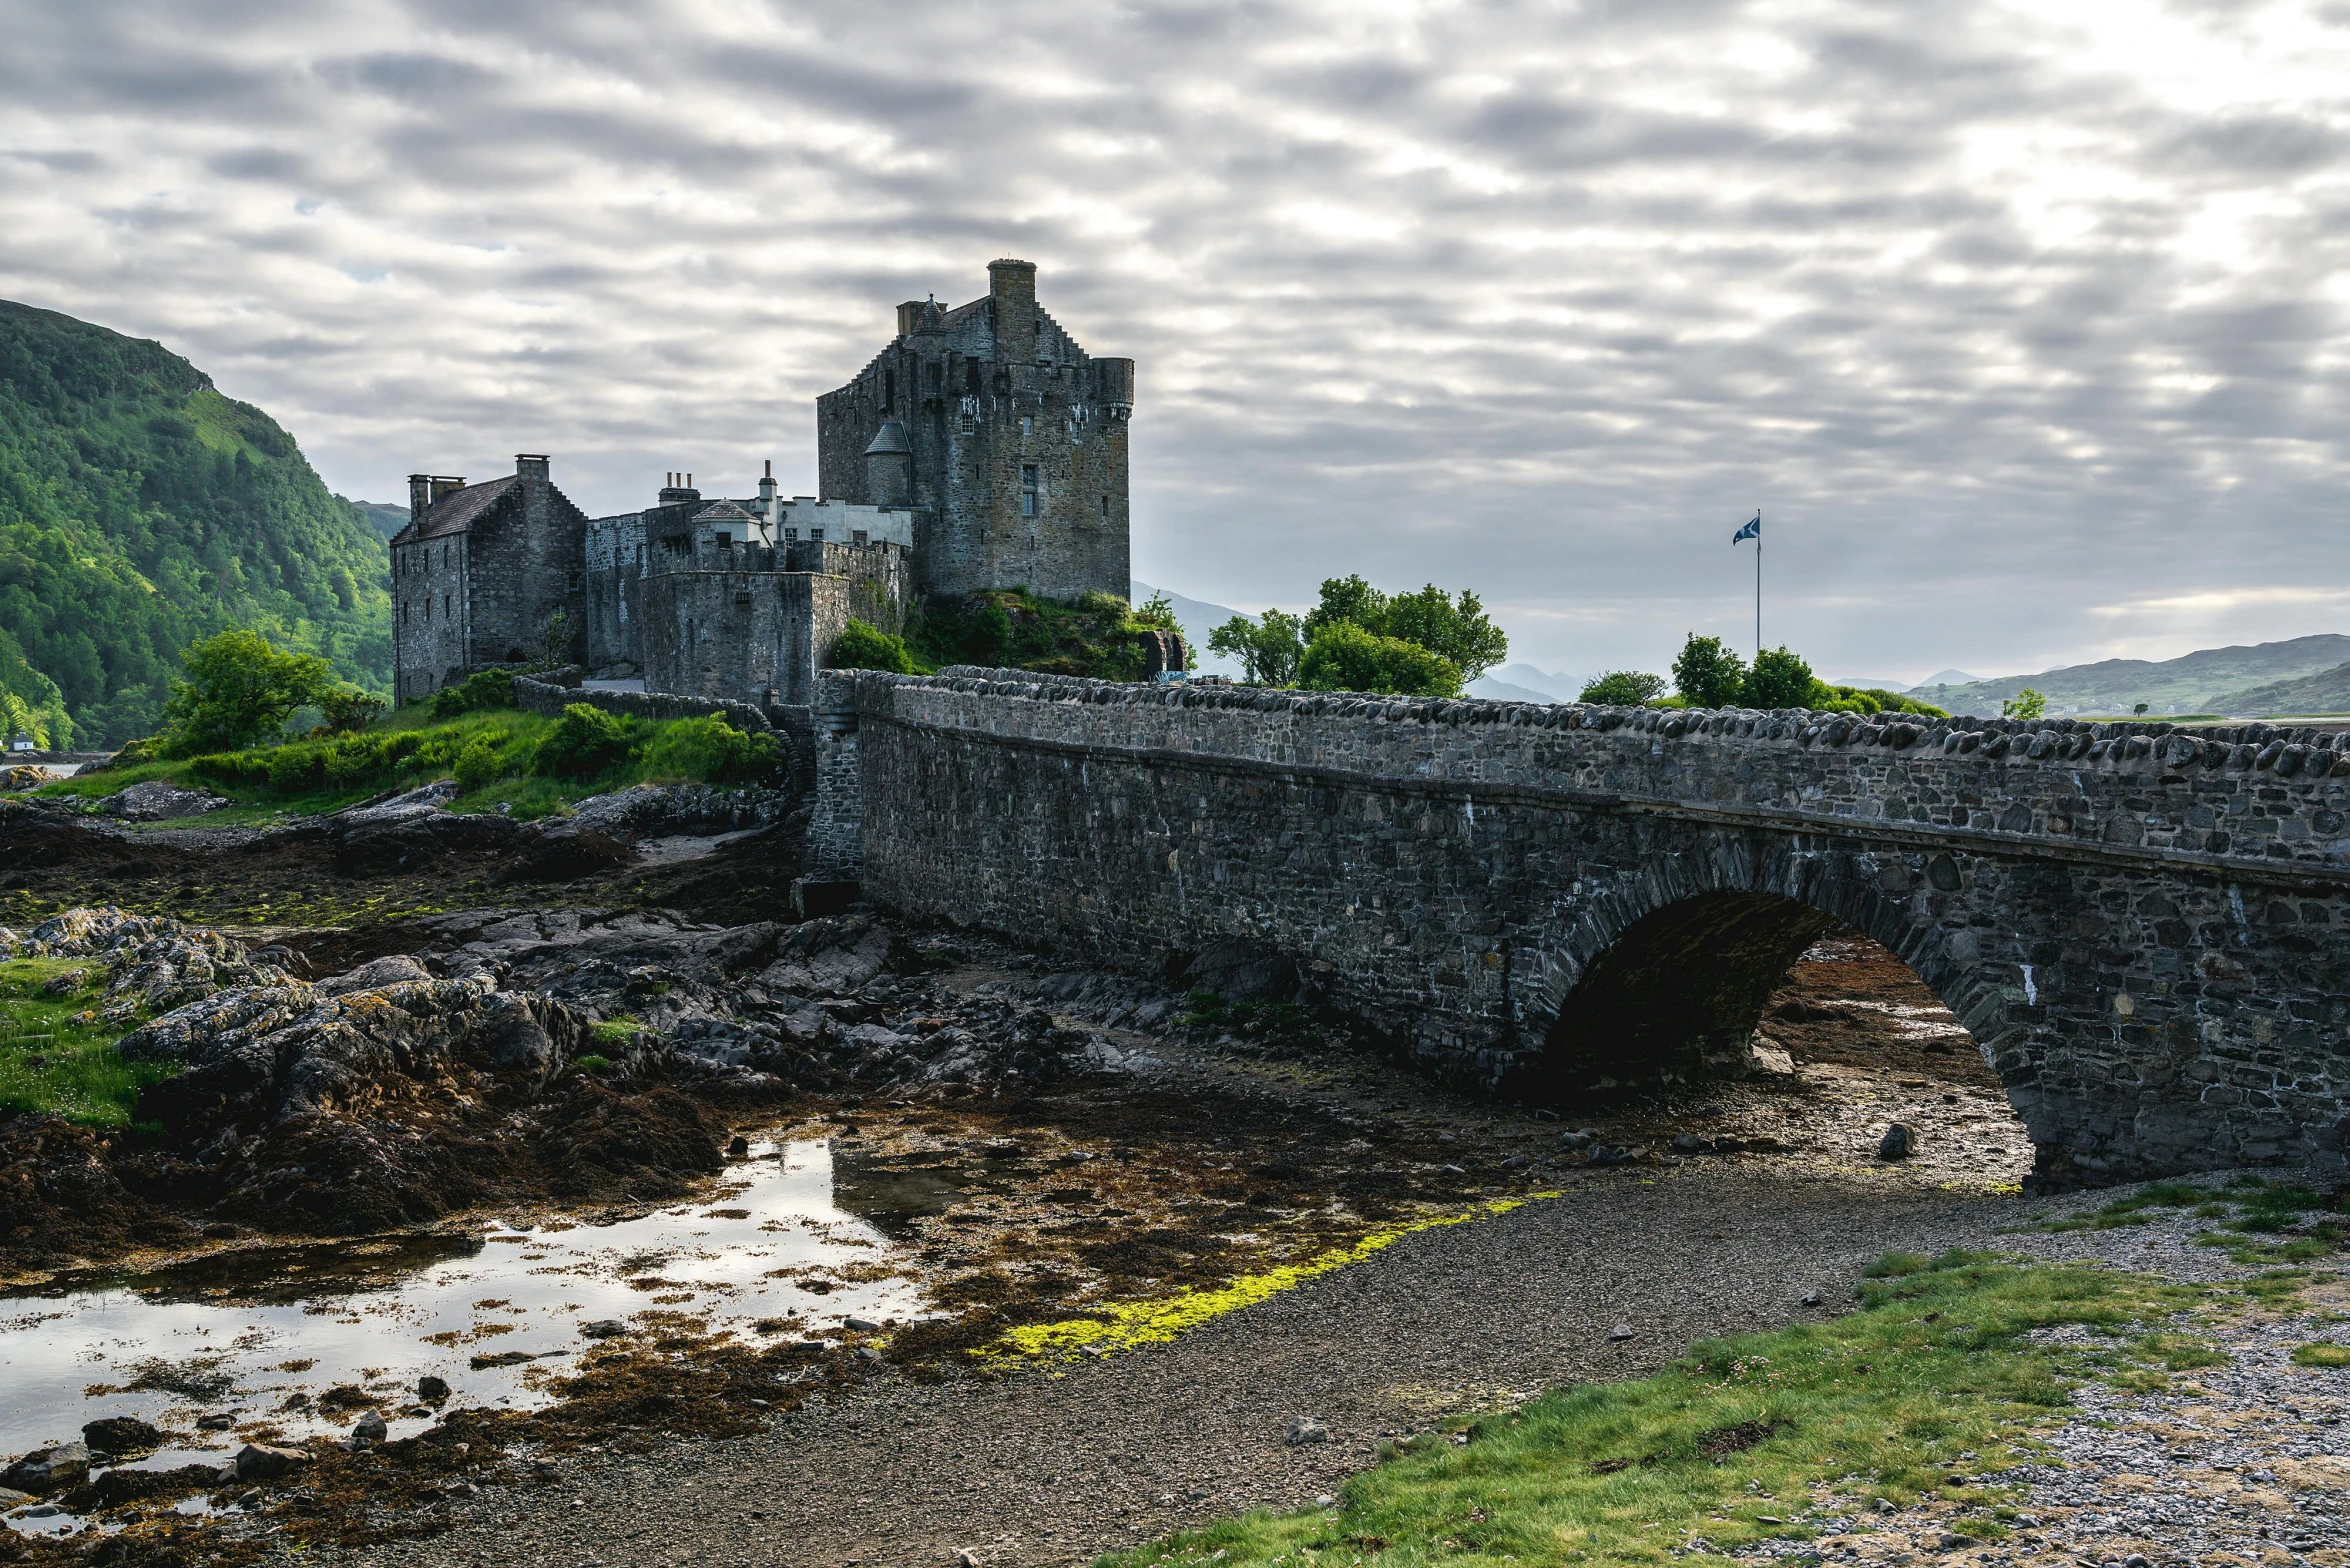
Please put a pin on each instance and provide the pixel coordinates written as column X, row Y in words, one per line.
column 2145, row 929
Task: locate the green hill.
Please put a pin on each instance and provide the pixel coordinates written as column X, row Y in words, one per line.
column 2328, row 691
column 141, row 510
column 2208, row 680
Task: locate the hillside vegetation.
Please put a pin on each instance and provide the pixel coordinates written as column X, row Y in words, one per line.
column 140, row 511
column 2328, row 691
column 2209, row 680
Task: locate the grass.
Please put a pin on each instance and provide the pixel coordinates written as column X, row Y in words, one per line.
column 499, row 757
column 2248, row 1208
column 56, row 1055
column 1767, row 1435
column 2321, row 1355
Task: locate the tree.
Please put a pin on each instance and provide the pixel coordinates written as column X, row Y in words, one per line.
column 1346, row 657
column 1268, row 649
column 1453, row 627
column 2025, row 704
column 1346, row 599
column 1779, row 679
column 863, row 647
column 1708, row 674
column 239, row 688
column 1456, row 630
column 1622, row 689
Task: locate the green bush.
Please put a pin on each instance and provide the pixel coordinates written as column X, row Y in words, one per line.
column 1345, row 657
column 712, row 751
column 863, row 647
column 474, row 694
column 1709, row 673
column 349, row 710
column 1623, row 688
column 485, row 759
column 1780, row 679
column 584, row 743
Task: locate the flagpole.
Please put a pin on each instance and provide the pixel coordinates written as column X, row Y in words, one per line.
column 1758, row 586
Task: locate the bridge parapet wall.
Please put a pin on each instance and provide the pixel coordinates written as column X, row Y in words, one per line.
column 2143, row 927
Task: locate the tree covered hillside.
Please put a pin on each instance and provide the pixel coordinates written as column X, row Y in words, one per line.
column 140, row 510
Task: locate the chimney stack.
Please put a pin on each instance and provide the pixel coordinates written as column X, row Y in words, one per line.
column 419, row 495
column 530, row 465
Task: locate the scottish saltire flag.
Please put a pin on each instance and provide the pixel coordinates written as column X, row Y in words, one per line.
column 1752, row 531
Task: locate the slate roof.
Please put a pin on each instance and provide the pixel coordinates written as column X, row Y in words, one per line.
column 455, row 513
column 723, row 512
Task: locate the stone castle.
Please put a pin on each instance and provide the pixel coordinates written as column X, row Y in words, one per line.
column 983, row 448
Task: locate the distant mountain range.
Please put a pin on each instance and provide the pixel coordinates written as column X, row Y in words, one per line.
column 2305, row 674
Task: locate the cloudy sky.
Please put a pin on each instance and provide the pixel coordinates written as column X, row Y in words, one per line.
column 2024, row 324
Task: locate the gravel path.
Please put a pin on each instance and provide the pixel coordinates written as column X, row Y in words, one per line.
column 1038, row 1468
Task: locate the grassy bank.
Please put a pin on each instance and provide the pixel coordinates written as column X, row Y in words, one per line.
column 498, row 755
column 1931, row 1388
column 55, row 1054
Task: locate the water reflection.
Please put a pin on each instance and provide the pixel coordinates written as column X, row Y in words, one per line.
column 302, row 1338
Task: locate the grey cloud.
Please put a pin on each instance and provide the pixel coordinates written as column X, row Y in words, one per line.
column 1515, row 296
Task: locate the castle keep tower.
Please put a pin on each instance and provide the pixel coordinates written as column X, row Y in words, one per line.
column 1007, row 439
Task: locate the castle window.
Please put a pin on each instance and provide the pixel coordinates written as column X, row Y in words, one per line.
column 859, row 536
column 971, row 378
column 1105, row 508
column 792, row 535
column 444, row 604
column 1028, row 487
column 889, row 391
column 1027, row 427
column 815, row 536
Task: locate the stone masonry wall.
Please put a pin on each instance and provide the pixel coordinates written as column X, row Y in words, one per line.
column 2143, row 928
column 550, row 699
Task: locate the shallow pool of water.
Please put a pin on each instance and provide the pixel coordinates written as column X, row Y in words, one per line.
column 262, row 1335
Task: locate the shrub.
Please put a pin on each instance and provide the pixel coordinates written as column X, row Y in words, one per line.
column 2025, row 704
column 482, row 761
column 863, row 647
column 712, row 751
column 583, row 743
column 1709, row 674
column 1344, row 657
column 1622, row 688
column 1779, row 679
column 239, row 688
column 349, row 709
column 474, row 694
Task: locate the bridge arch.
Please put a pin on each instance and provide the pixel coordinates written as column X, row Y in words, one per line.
column 1665, row 977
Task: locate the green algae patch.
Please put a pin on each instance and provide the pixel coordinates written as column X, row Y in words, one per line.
column 1156, row 1321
